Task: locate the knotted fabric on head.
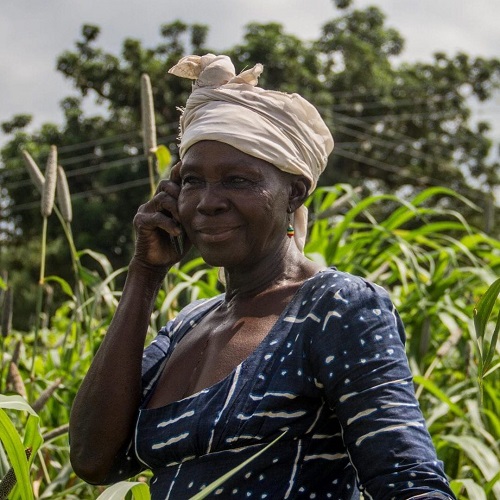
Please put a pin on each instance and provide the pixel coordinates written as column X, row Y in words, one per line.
column 282, row 129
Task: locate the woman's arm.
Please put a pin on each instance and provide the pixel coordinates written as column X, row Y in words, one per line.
column 106, row 406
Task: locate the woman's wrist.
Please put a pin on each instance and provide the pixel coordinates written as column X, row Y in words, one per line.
column 147, row 275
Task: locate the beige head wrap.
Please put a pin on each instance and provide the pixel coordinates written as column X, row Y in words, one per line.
column 282, row 129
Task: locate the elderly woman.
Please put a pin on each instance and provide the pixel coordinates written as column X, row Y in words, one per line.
column 291, row 349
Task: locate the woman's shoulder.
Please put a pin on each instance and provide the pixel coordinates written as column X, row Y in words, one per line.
column 332, row 281
column 332, row 299
column 189, row 315
column 174, row 329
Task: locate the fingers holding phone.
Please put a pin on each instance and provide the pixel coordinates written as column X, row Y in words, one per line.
column 160, row 239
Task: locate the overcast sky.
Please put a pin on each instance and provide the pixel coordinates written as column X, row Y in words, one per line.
column 34, row 32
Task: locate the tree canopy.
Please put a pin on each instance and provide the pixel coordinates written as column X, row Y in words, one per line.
column 398, row 126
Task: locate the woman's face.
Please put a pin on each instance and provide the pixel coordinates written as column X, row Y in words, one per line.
column 233, row 206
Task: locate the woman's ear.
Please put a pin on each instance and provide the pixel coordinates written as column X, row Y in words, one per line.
column 299, row 191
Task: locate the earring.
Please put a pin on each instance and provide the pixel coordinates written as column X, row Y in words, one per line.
column 290, row 231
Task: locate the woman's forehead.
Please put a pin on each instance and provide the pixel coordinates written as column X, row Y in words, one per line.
column 212, row 153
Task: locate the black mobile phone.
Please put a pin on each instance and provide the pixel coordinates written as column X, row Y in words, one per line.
column 178, row 243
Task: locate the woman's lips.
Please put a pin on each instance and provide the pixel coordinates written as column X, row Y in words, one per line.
column 215, row 234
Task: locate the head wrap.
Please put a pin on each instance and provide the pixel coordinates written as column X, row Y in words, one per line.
column 282, row 129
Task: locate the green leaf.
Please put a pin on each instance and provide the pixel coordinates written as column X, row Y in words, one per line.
column 473, row 489
column 492, row 482
column 118, row 491
column 100, row 258
column 434, row 389
column 16, row 402
column 66, row 288
column 163, row 159
column 480, row 454
column 17, row 456
column 212, row 486
column 484, row 307
column 32, row 437
column 482, row 314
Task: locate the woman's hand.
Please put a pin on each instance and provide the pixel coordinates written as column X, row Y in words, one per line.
column 156, row 222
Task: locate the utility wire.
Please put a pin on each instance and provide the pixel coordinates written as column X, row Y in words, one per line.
column 87, row 194
column 336, row 107
column 101, row 166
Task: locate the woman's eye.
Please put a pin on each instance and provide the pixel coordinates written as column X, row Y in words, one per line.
column 237, row 181
column 189, row 180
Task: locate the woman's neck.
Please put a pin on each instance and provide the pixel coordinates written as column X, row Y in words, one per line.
column 276, row 271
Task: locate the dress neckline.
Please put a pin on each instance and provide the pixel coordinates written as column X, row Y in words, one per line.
column 267, row 339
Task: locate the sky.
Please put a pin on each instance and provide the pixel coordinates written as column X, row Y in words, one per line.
column 33, row 33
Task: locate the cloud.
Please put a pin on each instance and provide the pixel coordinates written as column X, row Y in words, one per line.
column 33, row 34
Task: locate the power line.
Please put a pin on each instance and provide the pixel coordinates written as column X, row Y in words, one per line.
column 87, row 170
column 336, row 107
column 87, row 194
column 345, row 150
column 95, row 142
column 413, row 153
column 387, row 167
column 101, row 166
column 393, row 135
column 386, row 103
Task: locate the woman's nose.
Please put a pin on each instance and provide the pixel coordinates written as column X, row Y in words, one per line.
column 212, row 199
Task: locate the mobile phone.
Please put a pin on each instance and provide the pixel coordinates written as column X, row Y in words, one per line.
column 178, row 243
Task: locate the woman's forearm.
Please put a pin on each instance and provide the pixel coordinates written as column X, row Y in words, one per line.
column 106, row 406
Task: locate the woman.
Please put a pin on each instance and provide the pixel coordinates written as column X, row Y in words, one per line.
column 313, row 355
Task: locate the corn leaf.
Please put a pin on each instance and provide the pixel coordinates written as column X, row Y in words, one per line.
column 473, row 489
column 484, row 307
column 17, row 456
column 140, row 491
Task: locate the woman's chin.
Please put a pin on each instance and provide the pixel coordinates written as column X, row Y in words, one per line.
column 217, row 260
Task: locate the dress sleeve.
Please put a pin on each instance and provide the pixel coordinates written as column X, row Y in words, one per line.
column 359, row 360
column 154, row 358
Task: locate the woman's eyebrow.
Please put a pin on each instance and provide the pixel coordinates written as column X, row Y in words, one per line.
column 243, row 164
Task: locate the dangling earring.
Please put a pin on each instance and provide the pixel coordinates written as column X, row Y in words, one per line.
column 290, row 231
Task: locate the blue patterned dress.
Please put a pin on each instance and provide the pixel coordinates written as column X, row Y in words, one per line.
column 331, row 375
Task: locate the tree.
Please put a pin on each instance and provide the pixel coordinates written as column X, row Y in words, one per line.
column 398, row 127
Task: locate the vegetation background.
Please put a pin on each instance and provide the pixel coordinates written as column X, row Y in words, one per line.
column 407, row 200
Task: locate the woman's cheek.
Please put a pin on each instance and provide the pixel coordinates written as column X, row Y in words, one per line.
column 185, row 208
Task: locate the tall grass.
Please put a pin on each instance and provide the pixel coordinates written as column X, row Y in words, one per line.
column 435, row 266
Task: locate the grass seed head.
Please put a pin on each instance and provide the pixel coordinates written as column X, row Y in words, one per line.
column 16, row 380
column 7, row 312
column 148, row 116
column 34, row 172
column 63, row 195
column 45, row 395
column 17, row 352
column 49, row 188
column 9, row 480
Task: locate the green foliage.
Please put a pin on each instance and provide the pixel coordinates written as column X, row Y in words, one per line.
column 15, row 446
column 485, row 342
column 140, row 491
